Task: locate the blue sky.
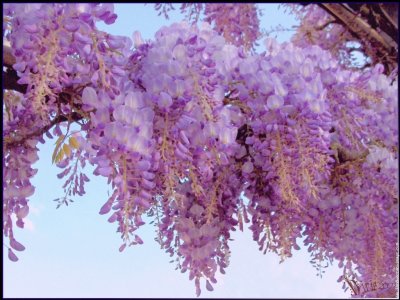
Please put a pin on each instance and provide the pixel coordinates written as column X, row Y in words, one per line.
column 73, row 251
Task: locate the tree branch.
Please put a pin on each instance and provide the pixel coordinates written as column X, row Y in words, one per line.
column 8, row 57
column 356, row 25
column 10, row 81
column 10, row 77
column 322, row 27
column 12, row 142
column 386, row 47
column 382, row 16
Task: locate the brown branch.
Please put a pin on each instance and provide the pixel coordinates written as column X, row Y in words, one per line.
column 12, row 142
column 322, row 27
column 10, row 77
column 391, row 13
column 8, row 57
column 10, row 81
column 389, row 25
column 356, row 25
column 386, row 48
column 382, row 16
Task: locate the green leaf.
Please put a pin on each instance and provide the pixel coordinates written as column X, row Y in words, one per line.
column 56, row 149
column 67, row 150
column 59, row 156
column 73, row 142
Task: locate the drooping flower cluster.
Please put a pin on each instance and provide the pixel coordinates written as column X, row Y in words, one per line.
column 284, row 143
column 238, row 23
column 181, row 126
column 358, row 35
column 317, row 27
column 17, row 188
column 181, row 74
column 309, row 137
column 57, row 51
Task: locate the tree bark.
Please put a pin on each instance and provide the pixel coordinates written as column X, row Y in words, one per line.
column 377, row 28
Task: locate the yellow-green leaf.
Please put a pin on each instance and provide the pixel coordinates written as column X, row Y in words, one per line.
column 59, row 156
column 73, row 142
column 67, row 150
column 59, row 140
column 56, row 149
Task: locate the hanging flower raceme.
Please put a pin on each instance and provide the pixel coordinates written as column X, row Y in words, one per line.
column 238, row 23
column 17, row 173
column 203, row 136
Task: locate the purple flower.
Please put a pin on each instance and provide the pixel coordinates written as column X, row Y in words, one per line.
column 12, row 256
column 165, row 100
column 274, row 102
column 16, row 245
column 89, row 97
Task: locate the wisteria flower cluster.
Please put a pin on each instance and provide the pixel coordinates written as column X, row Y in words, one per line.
column 347, row 36
column 238, row 23
column 201, row 135
column 317, row 27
